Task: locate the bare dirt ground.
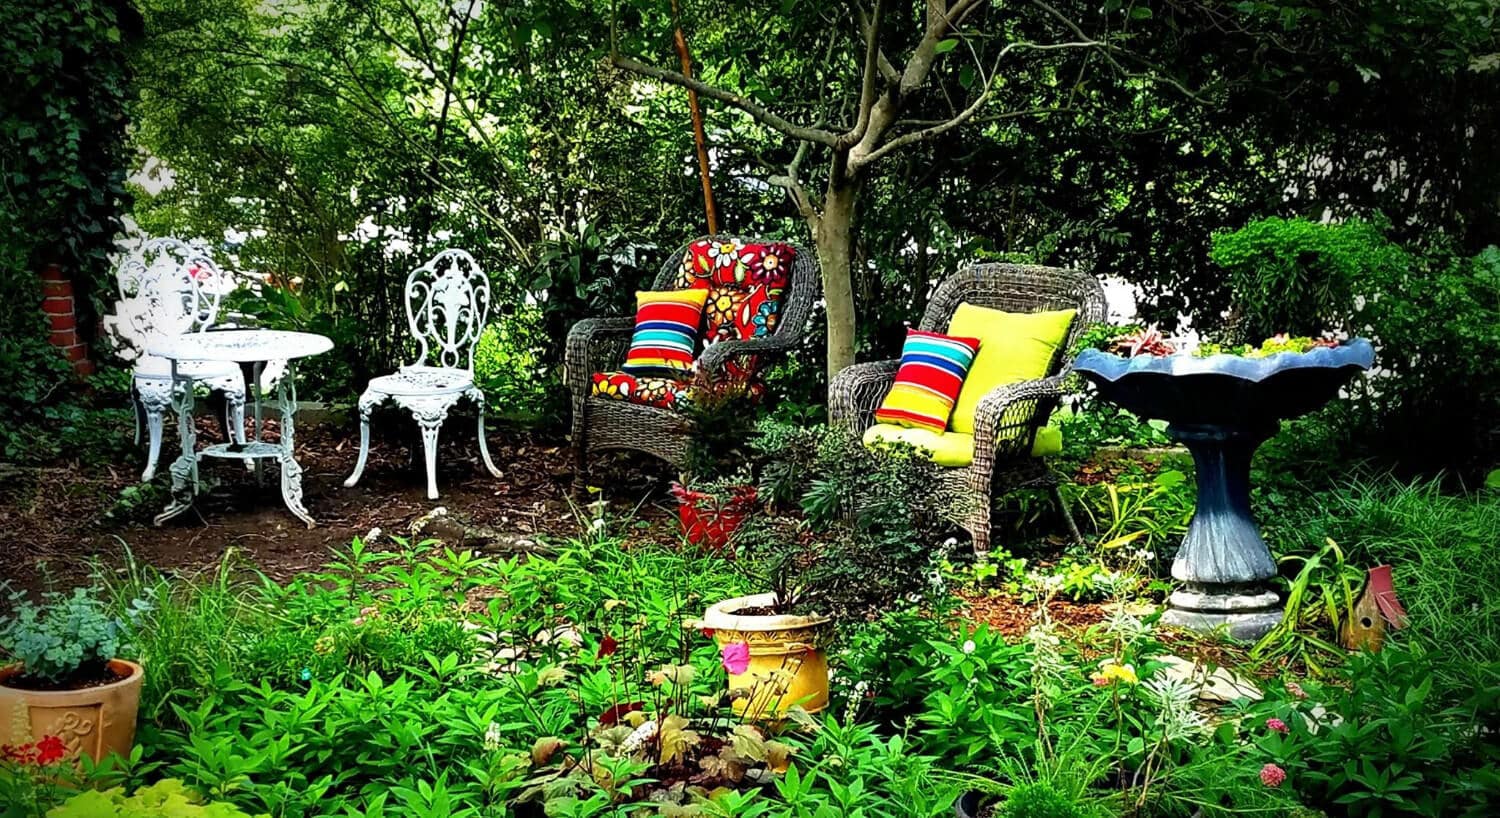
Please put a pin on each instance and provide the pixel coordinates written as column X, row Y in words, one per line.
column 61, row 518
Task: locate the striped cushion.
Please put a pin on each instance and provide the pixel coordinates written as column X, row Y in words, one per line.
column 929, row 379
column 666, row 332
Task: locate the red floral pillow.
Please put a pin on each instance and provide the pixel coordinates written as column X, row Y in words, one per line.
column 745, row 283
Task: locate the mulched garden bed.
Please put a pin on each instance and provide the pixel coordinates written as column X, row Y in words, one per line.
column 61, row 516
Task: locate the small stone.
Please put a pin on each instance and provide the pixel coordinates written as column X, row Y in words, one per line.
column 1220, row 685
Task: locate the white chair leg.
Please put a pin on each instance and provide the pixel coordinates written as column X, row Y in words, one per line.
column 367, row 403
column 153, row 400
column 430, row 428
column 153, row 450
column 135, row 406
column 484, row 446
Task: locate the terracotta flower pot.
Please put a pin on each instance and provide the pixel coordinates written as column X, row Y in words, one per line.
column 94, row 721
column 787, row 663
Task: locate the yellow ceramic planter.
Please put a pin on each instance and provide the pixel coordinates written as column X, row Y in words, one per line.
column 787, row 663
column 94, row 721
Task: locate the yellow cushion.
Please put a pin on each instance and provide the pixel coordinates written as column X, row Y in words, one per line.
column 1014, row 347
column 953, row 449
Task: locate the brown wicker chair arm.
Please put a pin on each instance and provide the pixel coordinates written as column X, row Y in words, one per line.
column 856, row 392
column 594, row 345
column 712, row 359
column 1008, row 418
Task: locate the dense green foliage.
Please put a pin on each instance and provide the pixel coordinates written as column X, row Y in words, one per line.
column 64, row 84
column 1432, row 314
column 338, row 144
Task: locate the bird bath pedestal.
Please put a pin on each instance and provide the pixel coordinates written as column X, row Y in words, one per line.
column 1222, row 407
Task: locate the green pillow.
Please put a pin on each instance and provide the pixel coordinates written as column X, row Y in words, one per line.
column 1013, row 347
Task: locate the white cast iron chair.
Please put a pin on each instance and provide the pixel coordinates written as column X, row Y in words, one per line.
column 447, row 302
column 168, row 287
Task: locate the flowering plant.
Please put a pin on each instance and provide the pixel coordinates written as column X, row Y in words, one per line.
column 29, row 774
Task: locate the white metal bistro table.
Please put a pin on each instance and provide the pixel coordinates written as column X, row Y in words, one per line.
column 252, row 349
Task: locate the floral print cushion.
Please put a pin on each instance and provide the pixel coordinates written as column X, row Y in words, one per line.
column 745, row 283
column 663, row 393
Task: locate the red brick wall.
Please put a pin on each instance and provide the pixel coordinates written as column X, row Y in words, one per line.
column 62, row 319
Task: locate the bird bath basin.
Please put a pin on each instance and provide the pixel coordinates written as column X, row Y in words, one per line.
column 1222, row 407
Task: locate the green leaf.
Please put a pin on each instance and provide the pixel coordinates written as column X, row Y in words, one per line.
column 944, row 46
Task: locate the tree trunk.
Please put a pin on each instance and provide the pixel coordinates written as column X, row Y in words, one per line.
column 833, row 236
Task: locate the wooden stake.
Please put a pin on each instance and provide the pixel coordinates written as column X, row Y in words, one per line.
column 699, row 138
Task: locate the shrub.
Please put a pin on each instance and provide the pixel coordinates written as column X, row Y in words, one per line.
column 1299, row 277
column 853, row 531
column 1431, row 314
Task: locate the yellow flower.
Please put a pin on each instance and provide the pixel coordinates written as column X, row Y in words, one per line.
column 1112, row 671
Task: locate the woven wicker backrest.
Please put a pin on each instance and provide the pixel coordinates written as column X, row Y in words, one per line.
column 1018, row 288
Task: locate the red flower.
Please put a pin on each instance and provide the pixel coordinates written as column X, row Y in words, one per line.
column 1278, row 725
column 709, row 632
column 50, row 750
column 608, row 646
column 1272, row 775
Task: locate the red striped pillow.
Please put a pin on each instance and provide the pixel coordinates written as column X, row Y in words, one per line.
column 666, row 332
column 928, row 381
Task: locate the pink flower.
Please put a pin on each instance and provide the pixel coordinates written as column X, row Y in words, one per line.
column 1272, row 775
column 735, row 657
column 1278, row 725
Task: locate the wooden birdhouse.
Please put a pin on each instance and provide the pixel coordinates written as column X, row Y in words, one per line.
column 1376, row 608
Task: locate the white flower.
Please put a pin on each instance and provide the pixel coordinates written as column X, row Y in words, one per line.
column 638, row 738
column 492, row 737
column 968, row 646
column 597, row 523
column 372, row 535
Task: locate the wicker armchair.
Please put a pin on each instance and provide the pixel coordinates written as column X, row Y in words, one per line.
column 600, row 344
column 1008, row 419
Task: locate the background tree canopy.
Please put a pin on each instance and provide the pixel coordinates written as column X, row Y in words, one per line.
column 332, row 145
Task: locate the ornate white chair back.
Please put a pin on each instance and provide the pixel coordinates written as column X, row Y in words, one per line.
column 447, row 302
column 167, row 287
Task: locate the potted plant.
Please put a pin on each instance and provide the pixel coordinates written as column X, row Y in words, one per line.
column 715, row 491
column 849, row 533
column 66, row 679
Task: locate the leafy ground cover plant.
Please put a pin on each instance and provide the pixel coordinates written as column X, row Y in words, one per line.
column 1380, row 740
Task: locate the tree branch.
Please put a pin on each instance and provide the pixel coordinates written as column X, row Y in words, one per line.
column 1106, row 48
column 966, row 114
column 867, row 81
column 757, row 112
